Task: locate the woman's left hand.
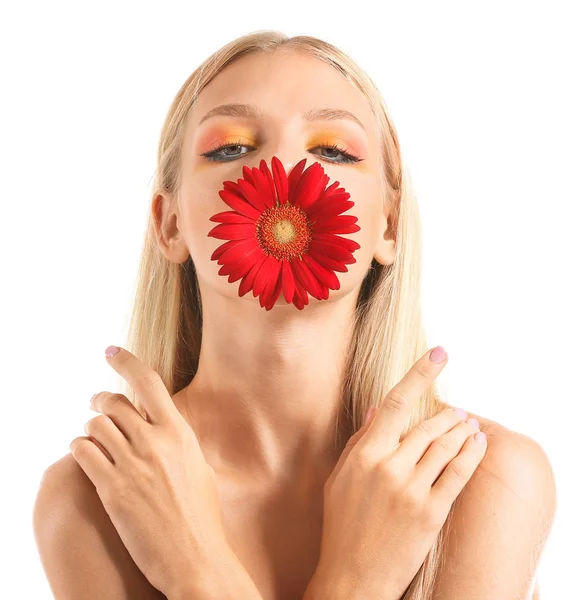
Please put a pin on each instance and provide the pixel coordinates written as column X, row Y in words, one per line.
column 152, row 478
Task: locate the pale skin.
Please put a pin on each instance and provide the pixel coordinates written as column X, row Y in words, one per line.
column 267, row 389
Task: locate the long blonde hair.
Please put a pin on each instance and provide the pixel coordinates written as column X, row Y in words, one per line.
column 165, row 329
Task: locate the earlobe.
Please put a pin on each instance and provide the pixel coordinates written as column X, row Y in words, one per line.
column 385, row 252
column 169, row 236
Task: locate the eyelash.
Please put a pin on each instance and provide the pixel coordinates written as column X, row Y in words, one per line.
column 349, row 158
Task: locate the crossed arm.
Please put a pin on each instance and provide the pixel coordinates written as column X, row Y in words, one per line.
column 500, row 525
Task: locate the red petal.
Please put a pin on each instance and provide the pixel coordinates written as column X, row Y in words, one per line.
column 263, row 275
column 350, row 245
column 301, row 296
column 280, row 179
column 242, row 250
column 252, row 195
column 246, row 285
column 294, row 177
column 269, row 177
column 330, row 263
column 238, row 204
column 327, row 210
column 303, row 274
column 329, row 249
column 309, row 187
column 247, row 175
column 288, row 281
column 265, row 187
column 237, row 270
column 272, row 284
column 230, row 216
column 324, row 276
column 223, row 248
column 336, row 226
column 232, row 232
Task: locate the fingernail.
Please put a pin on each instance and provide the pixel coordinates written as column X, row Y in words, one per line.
column 438, row 354
column 472, row 421
column 480, row 437
column 111, row 351
column 462, row 413
column 370, row 413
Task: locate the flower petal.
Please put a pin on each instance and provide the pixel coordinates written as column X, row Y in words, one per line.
column 242, row 250
column 246, row 285
column 238, row 204
column 288, row 281
column 303, row 274
column 280, row 178
column 230, row 216
column 237, row 231
column 330, row 238
column 294, row 177
column 252, row 195
column 323, row 276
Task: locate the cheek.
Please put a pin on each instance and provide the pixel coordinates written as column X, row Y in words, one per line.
column 199, row 202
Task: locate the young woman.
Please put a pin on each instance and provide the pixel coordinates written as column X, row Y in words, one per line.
column 273, row 369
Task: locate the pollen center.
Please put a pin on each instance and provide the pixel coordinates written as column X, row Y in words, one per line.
column 284, row 231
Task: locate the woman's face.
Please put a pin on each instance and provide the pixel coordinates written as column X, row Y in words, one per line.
column 282, row 87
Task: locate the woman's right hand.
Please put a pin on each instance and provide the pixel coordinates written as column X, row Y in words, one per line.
column 386, row 501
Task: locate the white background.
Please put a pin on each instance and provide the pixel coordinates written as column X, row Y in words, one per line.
column 489, row 103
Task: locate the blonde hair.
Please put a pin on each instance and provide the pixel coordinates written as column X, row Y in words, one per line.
column 165, row 329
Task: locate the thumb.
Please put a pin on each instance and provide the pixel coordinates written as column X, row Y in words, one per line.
column 352, row 442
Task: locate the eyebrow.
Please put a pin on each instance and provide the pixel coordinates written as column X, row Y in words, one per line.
column 253, row 112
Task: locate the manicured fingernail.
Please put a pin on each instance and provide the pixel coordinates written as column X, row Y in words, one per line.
column 480, row 437
column 370, row 413
column 438, row 354
column 472, row 421
column 462, row 413
column 111, row 351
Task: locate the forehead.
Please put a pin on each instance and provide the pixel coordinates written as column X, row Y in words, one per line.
column 284, row 85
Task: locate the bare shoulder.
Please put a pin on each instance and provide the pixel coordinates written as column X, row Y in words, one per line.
column 502, row 518
column 80, row 550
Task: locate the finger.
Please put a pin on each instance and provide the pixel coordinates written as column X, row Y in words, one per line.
column 352, row 442
column 416, row 443
column 123, row 414
column 441, row 451
column 458, row 472
column 92, row 460
column 395, row 410
column 104, row 430
column 148, row 386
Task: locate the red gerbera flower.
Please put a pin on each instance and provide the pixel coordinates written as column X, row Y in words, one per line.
column 283, row 233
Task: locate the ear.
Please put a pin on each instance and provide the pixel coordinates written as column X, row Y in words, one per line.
column 386, row 248
column 165, row 215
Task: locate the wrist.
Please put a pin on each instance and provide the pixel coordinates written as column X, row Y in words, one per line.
column 224, row 579
column 344, row 584
column 329, row 585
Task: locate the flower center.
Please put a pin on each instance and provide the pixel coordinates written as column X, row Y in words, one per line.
column 284, row 231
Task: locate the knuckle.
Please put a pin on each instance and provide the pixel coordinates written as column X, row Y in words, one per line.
column 422, row 370
column 455, row 471
column 396, row 400
column 387, row 470
column 424, row 428
column 433, row 516
column 109, row 401
column 414, row 499
column 98, row 422
column 76, row 446
column 362, row 459
column 441, row 442
column 146, row 380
